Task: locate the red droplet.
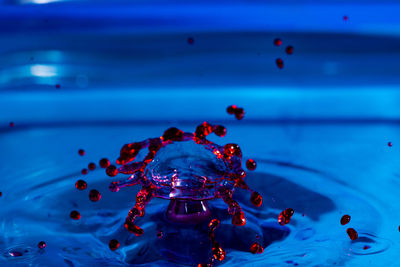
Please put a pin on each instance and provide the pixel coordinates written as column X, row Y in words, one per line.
column 232, row 150
column 81, row 185
column 134, row 229
column 256, row 199
column 111, row 171
column 251, row 165
column 285, row 216
column 81, row 152
column 104, row 163
column 219, row 130
column 75, row 215
column 58, row 86
column 84, row 171
column 345, row 18
column 231, row 109
column 352, row 233
column 42, row 244
column 113, row 244
column 94, row 195
column 366, row 247
column 239, row 113
column 218, row 253
column 390, row 144
column 12, row 124
column 289, row 50
column 92, row 166
column 345, row 219
column 160, row 234
column 256, row 248
column 213, row 224
column 277, row 42
column 173, row 134
column 203, row 130
column 1, row 194
column 279, row 63
column 238, row 219
column 190, row 40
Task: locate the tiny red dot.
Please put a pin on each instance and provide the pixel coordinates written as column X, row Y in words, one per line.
column 84, row 171
column 58, row 86
column 251, row 165
column 352, row 233
column 91, row 166
column 113, row 244
column 190, row 40
column 111, row 171
column 390, row 144
column 12, row 124
column 94, row 195
column 104, row 163
column 81, row 185
column 42, row 244
column 75, row 215
column 345, row 219
column 277, row 42
column 279, row 63
column 289, row 50
column 345, row 18
column 81, row 152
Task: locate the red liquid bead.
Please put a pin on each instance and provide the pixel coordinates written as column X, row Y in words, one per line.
column 238, row 219
column 218, row 253
column 251, row 165
column 366, row 247
column 232, row 150
column 173, row 134
column 390, row 144
column 92, row 166
column 12, row 124
column 277, row 42
column 84, row 171
column 75, row 215
column 58, row 86
column 1, row 194
column 239, row 113
column 231, row 109
column 289, row 50
column 279, row 63
column 42, row 244
column 256, row 248
column 81, row 152
column 94, row 195
column 219, row 130
column 285, row 216
column 134, row 229
column 190, row 40
column 111, row 171
column 203, row 130
column 345, row 219
column 213, row 224
column 160, row 234
column 113, row 244
column 256, row 199
column 345, row 18
column 81, row 185
column 352, row 233
column 104, row 163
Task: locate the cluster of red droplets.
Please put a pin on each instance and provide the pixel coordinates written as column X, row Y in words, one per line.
column 235, row 110
column 289, row 51
column 351, row 232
